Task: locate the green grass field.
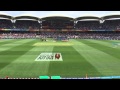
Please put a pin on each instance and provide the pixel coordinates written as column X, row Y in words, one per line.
column 80, row 57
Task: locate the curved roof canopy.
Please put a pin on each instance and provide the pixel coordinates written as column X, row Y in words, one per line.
column 57, row 18
column 5, row 16
column 87, row 17
column 26, row 17
column 110, row 17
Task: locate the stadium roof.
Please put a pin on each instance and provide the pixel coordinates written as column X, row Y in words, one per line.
column 110, row 17
column 87, row 17
column 57, row 18
column 26, row 17
column 4, row 16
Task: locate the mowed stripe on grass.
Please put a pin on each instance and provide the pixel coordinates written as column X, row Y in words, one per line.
column 26, row 66
column 73, row 64
column 4, row 42
column 108, row 43
column 12, row 44
column 109, row 50
column 6, row 59
column 99, row 56
column 92, row 57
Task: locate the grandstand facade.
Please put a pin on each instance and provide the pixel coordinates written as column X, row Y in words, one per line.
column 84, row 27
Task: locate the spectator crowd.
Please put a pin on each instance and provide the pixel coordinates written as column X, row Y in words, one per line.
column 109, row 27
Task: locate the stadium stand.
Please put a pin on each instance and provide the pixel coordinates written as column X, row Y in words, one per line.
column 85, row 27
column 57, row 22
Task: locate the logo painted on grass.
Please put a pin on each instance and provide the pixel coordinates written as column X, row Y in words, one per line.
column 49, row 57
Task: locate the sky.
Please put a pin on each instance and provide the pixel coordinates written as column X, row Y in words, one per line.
column 73, row 14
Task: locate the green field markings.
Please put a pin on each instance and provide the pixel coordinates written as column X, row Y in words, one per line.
column 6, row 59
column 53, row 44
column 91, row 57
column 6, row 46
column 25, row 66
column 105, row 63
column 73, row 65
column 111, row 43
column 4, row 42
column 111, row 40
column 17, row 42
column 109, row 50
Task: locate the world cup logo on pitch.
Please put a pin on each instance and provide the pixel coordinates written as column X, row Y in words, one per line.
column 49, row 57
column 57, row 56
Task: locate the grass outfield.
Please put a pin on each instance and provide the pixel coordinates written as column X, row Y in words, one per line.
column 80, row 57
